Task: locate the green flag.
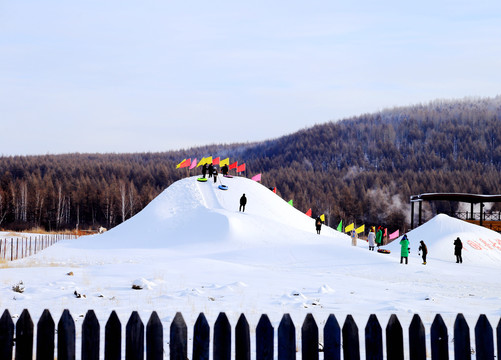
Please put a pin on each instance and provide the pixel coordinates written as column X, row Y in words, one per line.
column 340, row 226
column 290, row 203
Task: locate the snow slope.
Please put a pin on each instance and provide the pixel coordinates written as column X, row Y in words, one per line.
column 195, row 252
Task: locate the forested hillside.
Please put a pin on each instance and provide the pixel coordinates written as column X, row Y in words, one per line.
column 361, row 169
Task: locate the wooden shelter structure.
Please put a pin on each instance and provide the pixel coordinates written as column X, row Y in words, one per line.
column 472, row 199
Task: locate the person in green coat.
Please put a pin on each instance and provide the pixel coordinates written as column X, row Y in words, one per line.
column 379, row 236
column 404, row 249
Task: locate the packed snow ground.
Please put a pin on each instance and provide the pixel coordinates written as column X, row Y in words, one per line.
column 194, row 252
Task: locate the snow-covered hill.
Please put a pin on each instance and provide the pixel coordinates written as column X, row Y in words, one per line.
column 195, row 252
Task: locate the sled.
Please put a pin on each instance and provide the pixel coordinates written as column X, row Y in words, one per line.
column 383, row 251
column 223, row 187
column 228, row 176
column 202, row 179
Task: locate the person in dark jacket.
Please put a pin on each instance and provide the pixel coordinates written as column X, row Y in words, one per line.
column 211, row 169
column 318, row 224
column 214, row 172
column 243, row 202
column 424, row 250
column 224, row 170
column 204, row 170
column 458, row 246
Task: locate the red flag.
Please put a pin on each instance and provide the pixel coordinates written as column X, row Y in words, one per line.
column 385, row 231
column 309, row 213
column 185, row 163
column 233, row 166
column 275, row 189
column 241, row 168
column 215, row 161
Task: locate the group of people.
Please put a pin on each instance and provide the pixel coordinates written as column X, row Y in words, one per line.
column 423, row 250
column 375, row 238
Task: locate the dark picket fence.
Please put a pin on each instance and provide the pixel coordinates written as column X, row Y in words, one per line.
column 337, row 341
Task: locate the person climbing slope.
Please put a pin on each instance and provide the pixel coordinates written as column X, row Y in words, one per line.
column 404, row 249
column 243, row 202
column 424, row 250
column 458, row 246
column 318, row 224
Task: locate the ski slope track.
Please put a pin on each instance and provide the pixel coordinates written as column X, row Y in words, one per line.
column 195, row 252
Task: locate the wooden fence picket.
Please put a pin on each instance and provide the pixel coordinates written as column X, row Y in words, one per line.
column 113, row 338
column 66, row 337
column 134, row 338
column 264, row 339
column 201, row 338
column 24, row 337
column 46, row 329
column 222, row 338
column 417, row 339
column 178, row 345
column 484, row 340
column 394, row 339
column 155, row 337
column 439, row 339
column 90, row 336
column 462, row 350
column 309, row 338
column 351, row 343
column 332, row 339
column 6, row 336
column 242, row 339
column 286, row 339
column 373, row 339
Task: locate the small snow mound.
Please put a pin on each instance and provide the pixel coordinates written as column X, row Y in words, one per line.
column 140, row 284
column 326, row 289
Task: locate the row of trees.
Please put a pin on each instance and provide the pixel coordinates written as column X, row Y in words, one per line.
column 362, row 169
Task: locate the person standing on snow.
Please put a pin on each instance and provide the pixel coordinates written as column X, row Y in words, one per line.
column 379, row 236
column 211, row 168
column 404, row 250
column 318, row 224
column 424, row 250
column 353, row 238
column 371, row 238
column 224, row 170
column 204, row 170
column 458, row 246
column 214, row 172
column 243, row 202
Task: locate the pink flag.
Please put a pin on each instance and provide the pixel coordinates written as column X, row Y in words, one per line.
column 394, row 235
column 193, row 164
column 256, row 177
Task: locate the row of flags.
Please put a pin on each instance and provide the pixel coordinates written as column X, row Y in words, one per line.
column 191, row 164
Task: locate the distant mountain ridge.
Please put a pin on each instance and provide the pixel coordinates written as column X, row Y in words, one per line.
column 360, row 169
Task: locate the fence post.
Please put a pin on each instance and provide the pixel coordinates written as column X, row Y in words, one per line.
column 155, row 338
column 242, row 339
column 484, row 340
column 222, row 338
column 201, row 338
column 134, row 338
column 394, row 339
column 264, row 339
column 462, row 348
column 90, row 337
column 351, row 344
column 66, row 337
column 498, row 337
column 439, row 339
column 309, row 338
column 11, row 249
column 17, row 248
column 45, row 336
column 373, row 339
column 113, row 338
column 417, row 339
column 286, row 339
column 332, row 339
column 6, row 336
column 24, row 337
column 178, row 338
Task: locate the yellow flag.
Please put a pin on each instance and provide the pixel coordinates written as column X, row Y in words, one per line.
column 202, row 162
column 322, row 217
column 224, row 162
column 360, row 229
column 178, row 165
column 349, row 227
column 208, row 160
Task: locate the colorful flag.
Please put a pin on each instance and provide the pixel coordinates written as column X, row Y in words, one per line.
column 385, row 232
column 185, row 163
column 202, row 162
column 291, row 203
column 179, row 165
column 394, row 235
column 233, row 166
column 349, row 227
column 275, row 189
column 241, row 168
column 215, row 161
column 208, row 160
column 322, row 217
column 360, row 229
column 193, row 164
column 340, row 226
column 309, row 213
column 256, row 177
column 224, row 162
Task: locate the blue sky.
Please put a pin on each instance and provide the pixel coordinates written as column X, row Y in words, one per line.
column 139, row 76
